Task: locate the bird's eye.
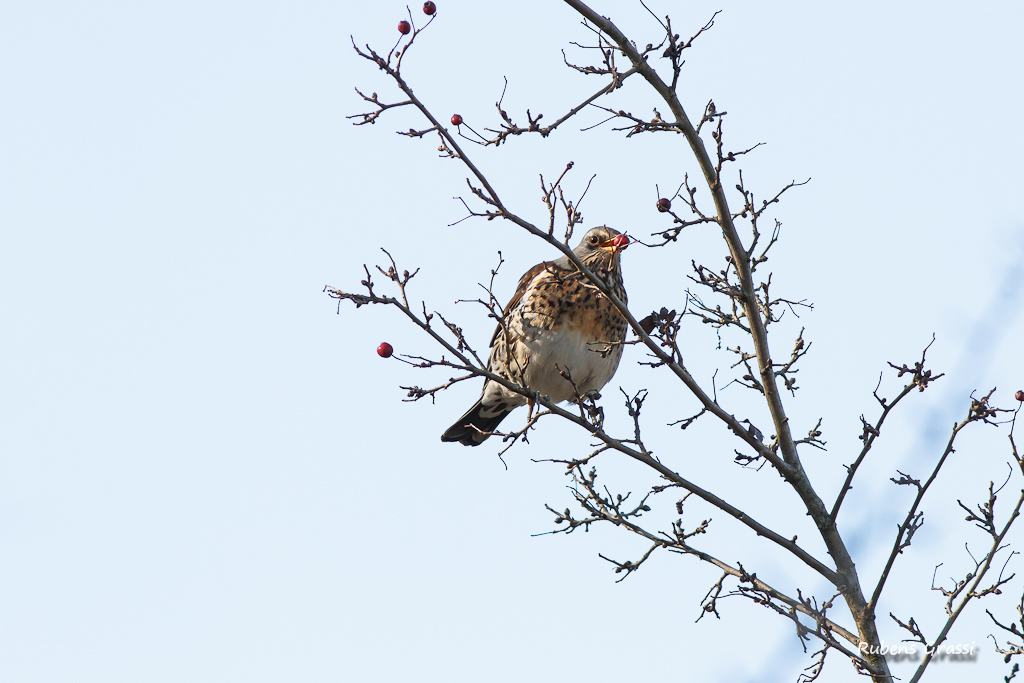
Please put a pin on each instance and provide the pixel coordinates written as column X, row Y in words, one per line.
column 594, row 239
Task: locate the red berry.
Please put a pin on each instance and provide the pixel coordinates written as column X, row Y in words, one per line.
column 404, row 27
column 664, row 204
column 385, row 350
column 1019, row 395
column 429, row 7
column 456, row 120
column 621, row 241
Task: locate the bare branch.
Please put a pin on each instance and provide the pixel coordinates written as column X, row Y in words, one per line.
column 979, row 411
column 920, row 378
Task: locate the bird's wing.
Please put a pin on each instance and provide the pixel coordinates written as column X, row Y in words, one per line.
column 524, row 283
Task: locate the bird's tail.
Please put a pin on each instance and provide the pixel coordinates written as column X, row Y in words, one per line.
column 477, row 424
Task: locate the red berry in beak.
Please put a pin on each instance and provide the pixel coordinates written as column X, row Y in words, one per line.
column 385, row 350
column 429, row 7
column 620, row 242
column 664, row 204
column 456, row 120
column 404, row 27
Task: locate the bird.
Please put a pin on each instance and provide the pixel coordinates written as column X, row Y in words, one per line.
column 558, row 330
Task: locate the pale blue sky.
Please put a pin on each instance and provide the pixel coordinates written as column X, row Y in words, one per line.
column 207, row 475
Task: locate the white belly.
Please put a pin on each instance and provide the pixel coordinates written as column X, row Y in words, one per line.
column 579, row 357
column 590, row 363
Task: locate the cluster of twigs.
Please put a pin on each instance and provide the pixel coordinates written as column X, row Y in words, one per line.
column 731, row 300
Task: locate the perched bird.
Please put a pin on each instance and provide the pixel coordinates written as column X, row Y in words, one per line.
column 557, row 322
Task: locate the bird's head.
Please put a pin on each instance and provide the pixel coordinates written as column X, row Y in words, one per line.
column 601, row 246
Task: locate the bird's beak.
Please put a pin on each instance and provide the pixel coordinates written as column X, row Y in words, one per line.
column 616, row 244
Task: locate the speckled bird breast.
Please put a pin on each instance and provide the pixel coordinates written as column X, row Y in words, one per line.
column 566, row 323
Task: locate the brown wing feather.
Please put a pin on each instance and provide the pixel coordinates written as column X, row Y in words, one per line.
column 524, row 282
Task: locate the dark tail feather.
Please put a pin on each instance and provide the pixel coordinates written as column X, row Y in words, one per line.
column 476, row 425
